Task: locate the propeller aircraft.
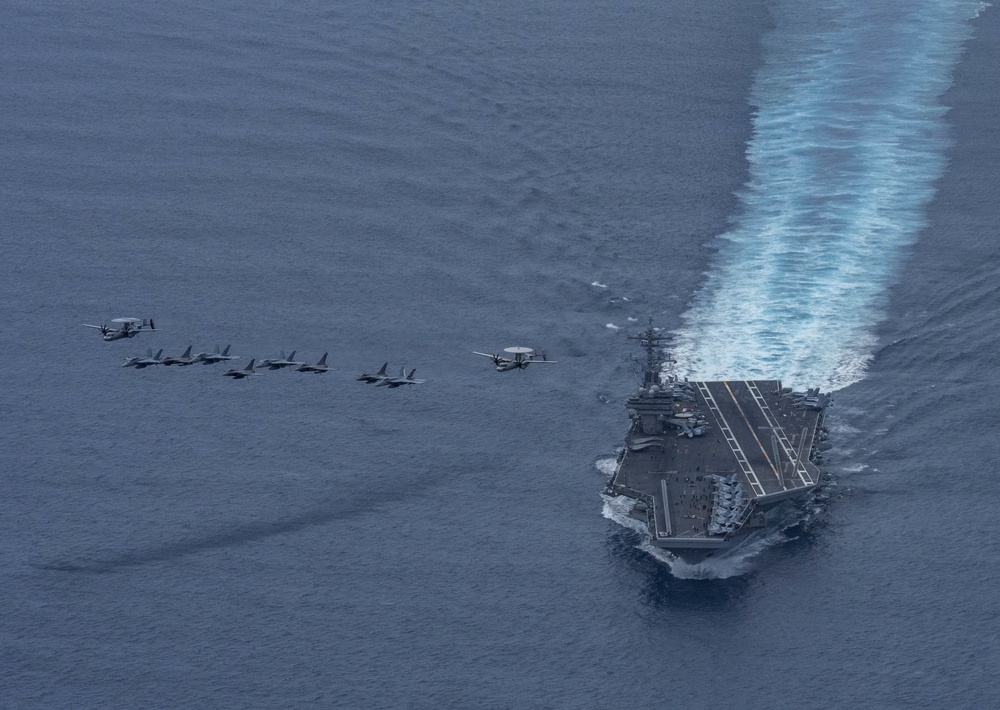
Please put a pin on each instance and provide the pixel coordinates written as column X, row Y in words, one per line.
column 520, row 359
column 127, row 328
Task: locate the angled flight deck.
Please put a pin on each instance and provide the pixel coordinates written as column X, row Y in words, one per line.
column 704, row 462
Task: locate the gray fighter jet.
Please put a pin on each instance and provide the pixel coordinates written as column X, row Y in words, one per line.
column 403, row 379
column 216, row 356
column 278, row 363
column 183, row 360
column 141, row 362
column 319, row 368
column 240, row 374
column 522, row 357
column 127, row 328
column 372, row 378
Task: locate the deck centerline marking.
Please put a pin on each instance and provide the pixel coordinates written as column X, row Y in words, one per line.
column 731, row 439
column 779, row 433
column 753, row 433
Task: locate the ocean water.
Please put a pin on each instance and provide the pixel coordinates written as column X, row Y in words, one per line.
column 806, row 190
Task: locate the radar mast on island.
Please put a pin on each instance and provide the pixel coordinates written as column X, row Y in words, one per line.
column 706, row 462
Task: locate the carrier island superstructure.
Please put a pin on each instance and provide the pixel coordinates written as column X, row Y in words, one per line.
column 705, row 462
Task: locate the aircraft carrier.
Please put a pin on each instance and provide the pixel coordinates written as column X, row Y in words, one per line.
column 706, row 463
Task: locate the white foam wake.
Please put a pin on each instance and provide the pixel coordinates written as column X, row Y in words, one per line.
column 731, row 562
column 848, row 139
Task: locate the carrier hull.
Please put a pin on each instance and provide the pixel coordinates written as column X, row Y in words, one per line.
column 705, row 462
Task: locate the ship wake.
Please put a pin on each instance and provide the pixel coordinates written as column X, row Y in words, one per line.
column 848, row 140
column 737, row 560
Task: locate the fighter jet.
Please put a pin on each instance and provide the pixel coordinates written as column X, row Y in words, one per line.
column 141, row 362
column 278, row 363
column 240, row 374
column 377, row 377
column 183, row 360
column 522, row 358
column 403, row 379
column 127, row 328
column 216, row 356
column 319, row 368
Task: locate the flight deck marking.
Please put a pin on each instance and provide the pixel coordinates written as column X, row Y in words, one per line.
column 779, row 432
column 734, row 444
column 753, row 433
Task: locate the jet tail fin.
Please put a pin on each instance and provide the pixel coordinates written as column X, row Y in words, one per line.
column 249, row 364
column 322, row 360
column 187, row 353
column 381, row 370
column 226, row 351
column 412, row 373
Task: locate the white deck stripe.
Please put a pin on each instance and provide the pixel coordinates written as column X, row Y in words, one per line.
column 779, row 432
column 774, row 469
column 666, row 507
column 730, row 438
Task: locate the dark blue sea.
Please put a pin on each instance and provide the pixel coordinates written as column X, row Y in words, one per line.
column 795, row 190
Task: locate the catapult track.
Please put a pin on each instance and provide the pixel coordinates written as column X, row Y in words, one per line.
column 699, row 492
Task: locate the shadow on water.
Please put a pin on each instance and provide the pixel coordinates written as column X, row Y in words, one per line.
column 331, row 510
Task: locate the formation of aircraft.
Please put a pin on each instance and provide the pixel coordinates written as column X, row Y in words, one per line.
column 221, row 356
column 516, row 358
column 520, row 358
column 127, row 328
